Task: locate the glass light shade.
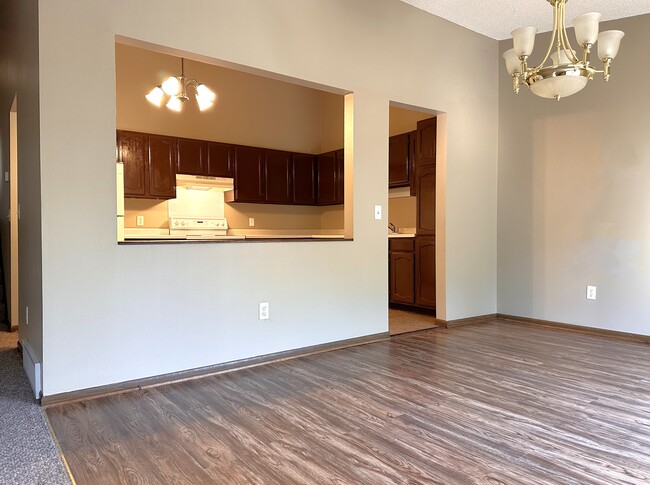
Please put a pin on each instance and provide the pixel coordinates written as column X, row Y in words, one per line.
column 205, row 92
column 204, row 103
column 524, row 40
column 558, row 87
column 155, row 96
column 563, row 60
column 513, row 65
column 171, row 86
column 608, row 43
column 586, row 28
column 174, row 103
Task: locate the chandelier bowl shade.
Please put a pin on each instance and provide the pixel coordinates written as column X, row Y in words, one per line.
column 553, row 83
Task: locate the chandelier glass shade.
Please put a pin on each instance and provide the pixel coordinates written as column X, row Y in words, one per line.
column 173, row 92
column 566, row 73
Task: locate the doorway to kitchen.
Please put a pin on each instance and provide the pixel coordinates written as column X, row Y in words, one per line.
column 412, row 151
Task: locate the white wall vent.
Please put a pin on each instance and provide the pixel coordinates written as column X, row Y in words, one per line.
column 32, row 368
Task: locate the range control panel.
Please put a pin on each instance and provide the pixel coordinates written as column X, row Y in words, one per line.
column 191, row 223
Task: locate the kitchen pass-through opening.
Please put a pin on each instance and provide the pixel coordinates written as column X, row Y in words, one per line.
column 270, row 158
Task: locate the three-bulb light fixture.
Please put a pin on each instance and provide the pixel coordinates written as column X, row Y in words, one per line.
column 566, row 74
column 174, row 91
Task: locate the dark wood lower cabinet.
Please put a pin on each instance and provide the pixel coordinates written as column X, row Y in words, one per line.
column 425, row 271
column 402, row 278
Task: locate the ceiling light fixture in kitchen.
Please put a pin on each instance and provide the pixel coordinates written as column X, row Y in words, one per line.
column 566, row 74
column 174, row 90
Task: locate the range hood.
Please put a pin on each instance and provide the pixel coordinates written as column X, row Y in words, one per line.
column 202, row 182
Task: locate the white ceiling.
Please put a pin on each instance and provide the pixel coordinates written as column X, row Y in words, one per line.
column 497, row 18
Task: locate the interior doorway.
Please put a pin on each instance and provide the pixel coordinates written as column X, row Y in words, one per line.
column 411, row 214
column 12, row 283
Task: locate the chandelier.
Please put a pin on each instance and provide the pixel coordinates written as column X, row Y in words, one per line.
column 174, row 91
column 566, row 74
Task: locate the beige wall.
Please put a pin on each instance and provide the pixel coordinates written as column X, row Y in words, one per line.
column 20, row 77
column 124, row 306
column 573, row 195
column 402, row 211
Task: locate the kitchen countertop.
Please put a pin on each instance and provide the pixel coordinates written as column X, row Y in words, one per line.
column 153, row 236
column 395, row 235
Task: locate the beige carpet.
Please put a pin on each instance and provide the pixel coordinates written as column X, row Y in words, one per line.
column 28, row 454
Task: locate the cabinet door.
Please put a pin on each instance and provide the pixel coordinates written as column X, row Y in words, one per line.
column 304, row 179
column 220, row 159
column 132, row 152
column 398, row 160
column 278, row 177
column 249, row 174
column 426, row 142
column 191, row 157
column 340, row 176
column 402, row 277
column 413, row 138
column 425, row 271
column 426, row 199
column 162, row 165
column 326, row 179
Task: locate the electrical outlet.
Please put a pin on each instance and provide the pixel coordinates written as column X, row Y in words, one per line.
column 378, row 212
column 139, row 220
column 264, row 311
column 251, row 222
column 591, row 292
column 26, row 315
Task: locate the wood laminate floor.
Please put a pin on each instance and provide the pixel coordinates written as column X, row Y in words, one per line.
column 401, row 321
column 495, row 403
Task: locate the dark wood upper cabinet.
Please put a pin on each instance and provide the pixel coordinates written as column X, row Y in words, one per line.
column 398, row 161
column 220, row 158
column 304, row 179
column 413, row 138
column 326, row 178
column 340, row 176
column 132, row 151
column 162, row 166
column 191, row 157
column 426, row 200
column 425, row 271
column 278, row 177
column 426, row 142
column 249, row 175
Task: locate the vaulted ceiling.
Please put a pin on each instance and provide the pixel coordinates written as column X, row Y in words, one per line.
column 497, row 18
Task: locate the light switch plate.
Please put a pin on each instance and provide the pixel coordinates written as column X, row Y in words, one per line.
column 378, row 212
column 591, row 292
